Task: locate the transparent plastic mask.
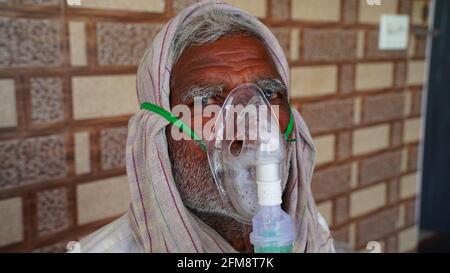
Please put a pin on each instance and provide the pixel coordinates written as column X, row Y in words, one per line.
column 245, row 133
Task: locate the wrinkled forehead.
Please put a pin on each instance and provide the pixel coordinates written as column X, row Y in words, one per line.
column 229, row 61
column 266, row 40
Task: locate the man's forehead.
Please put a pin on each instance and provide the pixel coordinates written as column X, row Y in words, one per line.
column 242, row 42
column 225, row 50
column 227, row 61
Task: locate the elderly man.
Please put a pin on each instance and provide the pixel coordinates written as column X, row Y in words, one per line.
column 205, row 52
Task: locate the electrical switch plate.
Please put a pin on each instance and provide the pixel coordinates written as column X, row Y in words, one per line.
column 393, row 34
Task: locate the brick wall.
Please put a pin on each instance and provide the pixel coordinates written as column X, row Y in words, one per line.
column 67, row 82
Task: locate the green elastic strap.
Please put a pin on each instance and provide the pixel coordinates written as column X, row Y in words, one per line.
column 174, row 120
column 290, row 127
column 184, row 128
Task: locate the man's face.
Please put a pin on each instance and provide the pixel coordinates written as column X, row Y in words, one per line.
column 211, row 71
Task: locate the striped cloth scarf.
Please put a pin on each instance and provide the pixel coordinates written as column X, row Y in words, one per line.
column 160, row 221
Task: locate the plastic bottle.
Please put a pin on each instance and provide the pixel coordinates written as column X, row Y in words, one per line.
column 272, row 230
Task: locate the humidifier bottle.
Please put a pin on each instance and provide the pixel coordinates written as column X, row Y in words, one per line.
column 272, row 230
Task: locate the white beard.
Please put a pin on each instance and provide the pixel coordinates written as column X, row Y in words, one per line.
column 204, row 197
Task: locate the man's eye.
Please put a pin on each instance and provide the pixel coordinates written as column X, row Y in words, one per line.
column 208, row 100
column 270, row 95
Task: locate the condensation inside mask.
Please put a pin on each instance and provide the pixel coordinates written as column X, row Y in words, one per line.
column 246, row 125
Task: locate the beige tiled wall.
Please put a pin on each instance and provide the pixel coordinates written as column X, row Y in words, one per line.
column 412, row 130
column 313, row 81
column 102, row 199
column 257, row 8
column 113, row 95
column 8, row 112
column 82, row 153
column 371, row 76
column 366, row 200
column 416, row 72
column 135, row 5
column 11, row 229
column 77, row 38
column 325, row 148
column 370, row 139
column 371, row 13
column 316, row 10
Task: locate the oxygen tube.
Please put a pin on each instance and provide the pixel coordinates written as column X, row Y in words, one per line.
column 273, row 229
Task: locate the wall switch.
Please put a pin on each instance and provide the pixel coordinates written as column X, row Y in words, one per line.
column 393, row 34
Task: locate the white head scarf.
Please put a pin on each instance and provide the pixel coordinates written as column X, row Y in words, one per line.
column 160, row 221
